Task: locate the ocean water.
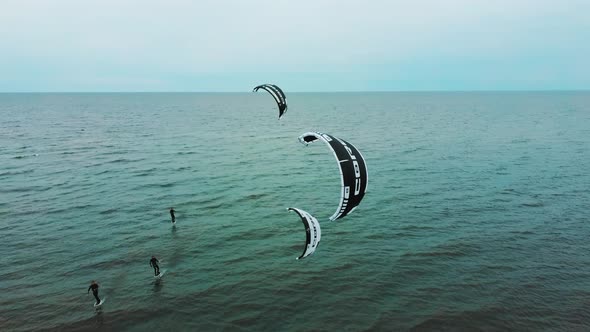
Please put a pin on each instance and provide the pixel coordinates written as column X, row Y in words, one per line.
column 476, row 215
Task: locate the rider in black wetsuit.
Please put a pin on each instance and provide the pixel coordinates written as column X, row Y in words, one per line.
column 94, row 287
column 172, row 215
column 154, row 263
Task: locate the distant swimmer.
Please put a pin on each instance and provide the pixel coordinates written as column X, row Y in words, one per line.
column 94, row 287
column 154, row 263
column 172, row 215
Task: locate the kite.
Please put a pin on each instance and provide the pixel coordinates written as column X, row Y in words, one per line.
column 277, row 94
column 312, row 230
column 353, row 171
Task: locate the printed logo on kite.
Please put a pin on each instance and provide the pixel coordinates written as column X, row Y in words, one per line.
column 353, row 171
column 277, row 94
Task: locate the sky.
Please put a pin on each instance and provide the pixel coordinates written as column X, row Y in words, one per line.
column 300, row 45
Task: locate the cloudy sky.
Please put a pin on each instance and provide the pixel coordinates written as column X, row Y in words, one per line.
column 301, row 45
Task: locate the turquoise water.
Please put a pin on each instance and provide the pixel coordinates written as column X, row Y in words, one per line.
column 476, row 215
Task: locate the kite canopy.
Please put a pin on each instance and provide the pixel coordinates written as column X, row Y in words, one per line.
column 353, row 171
column 277, row 94
column 312, row 230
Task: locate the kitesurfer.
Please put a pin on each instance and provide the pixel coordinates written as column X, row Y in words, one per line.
column 94, row 287
column 154, row 263
column 172, row 215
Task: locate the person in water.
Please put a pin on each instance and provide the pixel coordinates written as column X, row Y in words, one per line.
column 154, row 263
column 172, row 215
column 94, row 287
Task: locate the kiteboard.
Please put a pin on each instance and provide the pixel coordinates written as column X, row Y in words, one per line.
column 160, row 275
column 101, row 302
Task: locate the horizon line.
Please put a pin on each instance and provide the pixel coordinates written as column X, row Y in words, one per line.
column 336, row 91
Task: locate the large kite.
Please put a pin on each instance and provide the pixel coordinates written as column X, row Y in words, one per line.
column 353, row 171
column 277, row 94
column 312, row 230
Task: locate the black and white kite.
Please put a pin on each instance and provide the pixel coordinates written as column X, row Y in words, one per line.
column 312, row 230
column 277, row 94
column 353, row 171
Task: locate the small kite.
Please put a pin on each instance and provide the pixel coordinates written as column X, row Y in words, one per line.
column 277, row 94
column 312, row 230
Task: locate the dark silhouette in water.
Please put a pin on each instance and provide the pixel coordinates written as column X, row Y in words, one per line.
column 94, row 287
column 172, row 215
column 154, row 263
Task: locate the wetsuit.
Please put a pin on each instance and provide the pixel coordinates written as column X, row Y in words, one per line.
column 154, row 263
column 94, row 288
column 172, row 215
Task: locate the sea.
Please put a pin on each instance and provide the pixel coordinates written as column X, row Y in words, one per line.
column 476, row 215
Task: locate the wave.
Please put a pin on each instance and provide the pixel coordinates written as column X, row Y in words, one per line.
column 252, row 197
column 451, row 249
column 124, row 160
column 25, row 189
column 26, row 156
column 117, row 320
column 108, row 211
column 157, row 185
column 69, row 208
column 533, row 204
column 20, row 172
